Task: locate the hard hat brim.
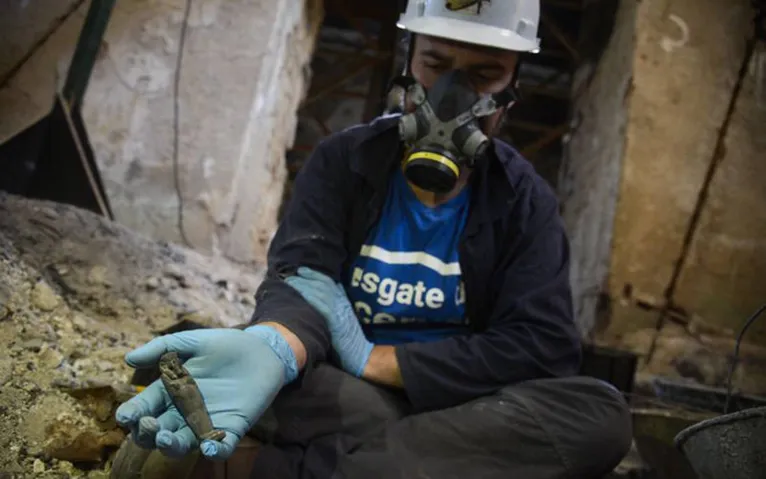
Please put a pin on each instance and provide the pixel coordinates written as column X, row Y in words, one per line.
column 469, row 32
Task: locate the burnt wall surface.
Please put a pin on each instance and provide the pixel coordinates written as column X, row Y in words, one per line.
column 722, row 275
column 593, row 160
column 688, row 58
column 663, row 193
column 662, row 189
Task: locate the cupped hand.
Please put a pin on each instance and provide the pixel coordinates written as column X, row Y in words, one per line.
column 239, row 372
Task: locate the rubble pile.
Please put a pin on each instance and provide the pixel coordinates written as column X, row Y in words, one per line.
column 697, row 358
column 77, row 292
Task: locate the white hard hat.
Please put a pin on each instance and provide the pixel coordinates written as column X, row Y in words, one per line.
column 504, row 24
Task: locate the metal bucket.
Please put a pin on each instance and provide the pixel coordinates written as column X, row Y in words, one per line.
column 732, row 446
column 654, row 430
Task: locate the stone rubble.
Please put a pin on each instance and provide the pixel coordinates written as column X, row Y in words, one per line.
column 78, row 292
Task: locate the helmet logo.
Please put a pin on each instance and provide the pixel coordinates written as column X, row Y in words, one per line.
column 462, row 5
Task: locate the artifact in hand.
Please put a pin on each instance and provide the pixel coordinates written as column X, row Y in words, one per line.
column 187, row 398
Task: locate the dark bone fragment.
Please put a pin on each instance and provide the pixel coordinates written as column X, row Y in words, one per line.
column 187, row 397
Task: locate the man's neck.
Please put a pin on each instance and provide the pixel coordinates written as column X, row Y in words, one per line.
column 432, row 200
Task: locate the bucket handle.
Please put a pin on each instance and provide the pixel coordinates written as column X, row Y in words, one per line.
column 735, row 359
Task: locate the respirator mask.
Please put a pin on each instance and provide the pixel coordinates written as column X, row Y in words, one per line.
column 443, row 134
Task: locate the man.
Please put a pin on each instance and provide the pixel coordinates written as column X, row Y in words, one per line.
column 416, row 319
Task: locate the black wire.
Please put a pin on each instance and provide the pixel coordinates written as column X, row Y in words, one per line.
column 734, row 360
column 176, row 128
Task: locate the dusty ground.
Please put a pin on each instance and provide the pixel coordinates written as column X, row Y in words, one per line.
column 77, row 293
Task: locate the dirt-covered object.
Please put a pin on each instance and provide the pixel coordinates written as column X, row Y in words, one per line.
column 187, row 398
column 77, row 292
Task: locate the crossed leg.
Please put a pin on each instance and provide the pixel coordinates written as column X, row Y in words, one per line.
column 335, row 426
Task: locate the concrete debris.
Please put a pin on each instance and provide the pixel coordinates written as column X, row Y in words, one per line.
column 33, row 345
column 71, row 307
column 76, row 442
column 6, row 369
column 152, row 283
column 100, row 402
column 228, row 295
column 704, row 366
column 97, row 276
column 50, row 358
column 701, row 358
column 173, row 271
column 43, row 297
column 248, row 300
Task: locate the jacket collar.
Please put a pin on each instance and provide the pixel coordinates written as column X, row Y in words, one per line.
column 377, row 149
column 493, row 187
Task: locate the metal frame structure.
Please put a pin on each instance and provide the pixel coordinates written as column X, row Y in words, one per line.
column 367, row 51
column 537, row 124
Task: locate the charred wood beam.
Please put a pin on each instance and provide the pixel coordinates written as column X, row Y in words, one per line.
column 528, row 126
column 348, row 71
column 560, row 36
column 552, row 135
column 543, row 91
column 346, row 11
column 382, row 71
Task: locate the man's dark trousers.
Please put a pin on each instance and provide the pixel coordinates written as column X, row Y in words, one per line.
column 336, row 426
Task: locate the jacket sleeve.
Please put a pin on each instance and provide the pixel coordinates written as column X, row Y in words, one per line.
column 531, row 331
column 311, row 233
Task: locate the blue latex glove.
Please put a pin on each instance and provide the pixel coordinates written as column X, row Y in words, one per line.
column 238, row 372
column 330, row 300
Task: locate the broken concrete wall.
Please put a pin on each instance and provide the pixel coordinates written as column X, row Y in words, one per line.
column 242, row 77
column 687, row 60
column 642, row 155
column 24, row 25
column 722, row 276
column 590, row 174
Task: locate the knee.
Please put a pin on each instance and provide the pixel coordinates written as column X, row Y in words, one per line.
column 587, row 420
column 606, row 429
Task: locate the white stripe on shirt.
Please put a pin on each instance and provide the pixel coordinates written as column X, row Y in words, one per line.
column 408, row 258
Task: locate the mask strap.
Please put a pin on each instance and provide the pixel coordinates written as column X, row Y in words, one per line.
column 402, row 81
column 512, row 87
column 505, row 97
column 488, row 105
column 393, row 102
column 410, row 40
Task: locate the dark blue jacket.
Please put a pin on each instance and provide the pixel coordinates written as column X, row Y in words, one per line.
column 514, row 257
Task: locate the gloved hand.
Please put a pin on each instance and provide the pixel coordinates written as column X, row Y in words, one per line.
column 330, row 300
column 239, row 372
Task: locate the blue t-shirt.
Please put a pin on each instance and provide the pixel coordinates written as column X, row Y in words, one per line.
column 406, row 284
